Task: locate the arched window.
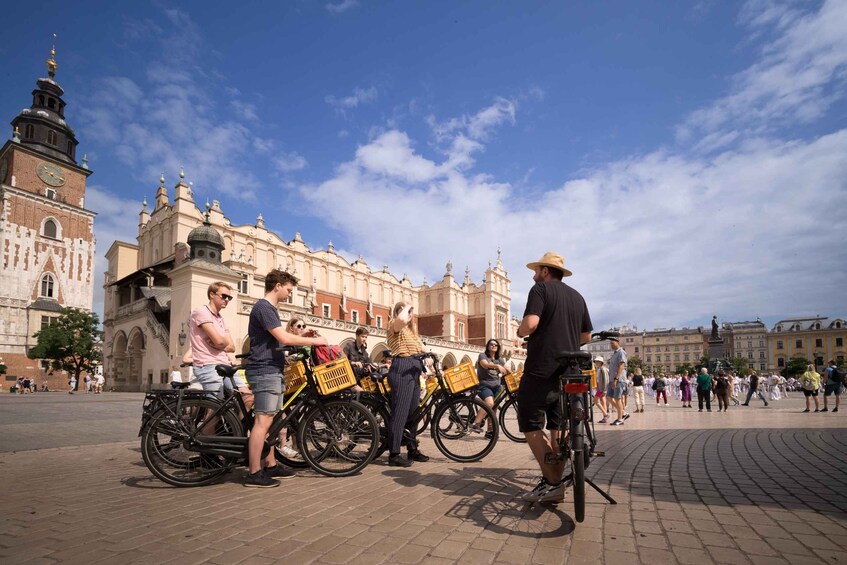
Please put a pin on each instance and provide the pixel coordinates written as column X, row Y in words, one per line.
column 52, row 138
column 49, row 229
column 41, row 100
column 47, row 290
column 29, row 131
column 51, row 103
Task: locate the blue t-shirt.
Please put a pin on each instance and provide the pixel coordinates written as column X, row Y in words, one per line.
column 266, row 356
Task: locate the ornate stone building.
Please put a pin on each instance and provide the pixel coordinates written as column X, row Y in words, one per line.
column 46, row 233
column 152, row 286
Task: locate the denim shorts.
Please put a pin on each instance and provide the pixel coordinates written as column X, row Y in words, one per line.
column 830, row 388
column 488, row 391
column 210, row 380
column 267, row 392
column 616, row 392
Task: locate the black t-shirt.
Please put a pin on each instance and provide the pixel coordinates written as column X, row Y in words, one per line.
column 563, row 316
column 266, row 356
column 637, row 380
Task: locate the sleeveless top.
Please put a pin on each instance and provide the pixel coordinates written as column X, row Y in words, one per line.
column 404, row 343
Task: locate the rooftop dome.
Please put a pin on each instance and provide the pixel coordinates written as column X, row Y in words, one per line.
column 205, row 242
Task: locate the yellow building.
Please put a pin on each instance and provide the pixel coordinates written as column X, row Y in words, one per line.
column 816, row 339
column 665, row 350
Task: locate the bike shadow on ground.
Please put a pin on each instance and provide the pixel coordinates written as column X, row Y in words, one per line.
column 490, row 497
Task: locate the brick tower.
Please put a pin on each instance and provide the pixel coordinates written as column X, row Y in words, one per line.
column 46, row 234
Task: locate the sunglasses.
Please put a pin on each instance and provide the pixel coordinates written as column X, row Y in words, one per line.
column 299, row 326
column 226, row 297
column 492, row 345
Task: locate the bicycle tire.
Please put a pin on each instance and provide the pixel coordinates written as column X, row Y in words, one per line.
column 578, row 459
column 451, row 431
column 383, row 417
column 508, row 418
column 170, row 461
column 298, row 463
column 424, row 421
column 338, row 438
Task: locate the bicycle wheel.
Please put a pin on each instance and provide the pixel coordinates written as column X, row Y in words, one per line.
column 451, row 429
column 290, row 441
column 578, row 458
column 164, row 440
column 426, row 418
column 338, row 438
column 380, row 412
column 508, row 419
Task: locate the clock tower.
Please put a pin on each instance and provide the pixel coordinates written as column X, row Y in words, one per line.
column 46, row 233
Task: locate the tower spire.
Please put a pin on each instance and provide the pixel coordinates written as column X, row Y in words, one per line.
column 51, row 62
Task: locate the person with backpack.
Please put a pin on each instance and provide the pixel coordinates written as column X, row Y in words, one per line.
column 722, row 391
column 754, row 389
column 659, row 385
column 834, row 385
column 811, row 382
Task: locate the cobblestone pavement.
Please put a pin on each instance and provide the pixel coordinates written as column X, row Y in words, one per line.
column 753, row 485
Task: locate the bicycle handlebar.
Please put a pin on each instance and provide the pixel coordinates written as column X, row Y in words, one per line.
column 605, row 335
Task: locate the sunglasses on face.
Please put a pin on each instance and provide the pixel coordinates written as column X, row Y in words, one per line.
column 226, row 297
column 299, row 326
column 492, row 345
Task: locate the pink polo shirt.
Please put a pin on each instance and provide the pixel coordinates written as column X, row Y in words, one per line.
column 202, row 350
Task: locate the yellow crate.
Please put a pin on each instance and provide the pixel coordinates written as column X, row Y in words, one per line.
column 367, row 384
column 431, row 384
column 334, row 376
column 593, row 375
column 461, row 377
column 295, row 375
column 513, row 381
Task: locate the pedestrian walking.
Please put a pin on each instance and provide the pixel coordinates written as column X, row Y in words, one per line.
column 722, row 391
column 834, row 385
column 660, row 384
column 638, row 390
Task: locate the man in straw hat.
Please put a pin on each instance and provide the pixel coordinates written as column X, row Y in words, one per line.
column 556, row 319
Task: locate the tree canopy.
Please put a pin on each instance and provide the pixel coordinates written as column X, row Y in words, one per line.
column 70, row 342
column 795, row 367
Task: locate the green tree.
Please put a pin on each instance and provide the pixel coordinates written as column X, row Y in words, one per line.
column 70, row 343
column 739, row 364
column 685, row 367
column 634, row 363
column 795, row 367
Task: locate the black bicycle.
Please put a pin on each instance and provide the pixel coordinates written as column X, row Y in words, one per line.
column 191, row 438
column 452, row 416
column 577, row 441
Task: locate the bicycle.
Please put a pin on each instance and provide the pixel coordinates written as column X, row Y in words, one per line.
column 577, row 442
column 452, row 414
column 189, row 438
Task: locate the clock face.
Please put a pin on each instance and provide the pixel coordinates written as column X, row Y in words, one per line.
column 50, row 174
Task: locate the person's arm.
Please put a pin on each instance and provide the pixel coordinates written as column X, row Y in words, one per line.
column 402, row 319
column 528, row 325
column 286, row 338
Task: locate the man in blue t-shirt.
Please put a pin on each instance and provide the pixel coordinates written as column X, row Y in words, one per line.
column 831, row 386
column 264, row 372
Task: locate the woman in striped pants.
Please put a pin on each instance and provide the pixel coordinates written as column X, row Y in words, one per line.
column 404, row 379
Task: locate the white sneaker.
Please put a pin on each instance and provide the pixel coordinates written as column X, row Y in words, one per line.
column 545, row 492
column 290, row 453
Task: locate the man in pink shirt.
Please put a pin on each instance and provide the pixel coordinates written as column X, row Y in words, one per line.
column 210, row 338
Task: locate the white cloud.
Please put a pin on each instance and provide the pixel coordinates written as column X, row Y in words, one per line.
column 245, row 110
column 359, row 96
column 801, row 71
column 341, row 7
column 290, row 162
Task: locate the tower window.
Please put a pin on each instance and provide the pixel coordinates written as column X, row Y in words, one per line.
column 47, row 286
column 52, row 138
column 50, row 229
column 29, row 131
column 51, row 103
column 244, row 284
column 71, row 148
column 50, row 193
column 41, row 100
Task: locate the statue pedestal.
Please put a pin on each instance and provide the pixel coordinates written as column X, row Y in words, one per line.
column 718, row 350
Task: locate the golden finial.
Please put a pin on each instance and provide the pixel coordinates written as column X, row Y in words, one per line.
column 51, row 62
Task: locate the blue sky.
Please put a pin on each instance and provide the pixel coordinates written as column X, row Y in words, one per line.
column 687, row 159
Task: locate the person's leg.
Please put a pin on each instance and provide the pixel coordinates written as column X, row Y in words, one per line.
column 487, row 395
column 542, row 448
column 402, row 390
column 807, row 394
column 700, row 395
column 817, row 403
column 256, row 442
column 750, row 392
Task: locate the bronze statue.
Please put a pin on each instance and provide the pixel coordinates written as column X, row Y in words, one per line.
column 715, row 335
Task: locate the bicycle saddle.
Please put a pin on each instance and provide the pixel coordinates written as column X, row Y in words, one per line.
column 565, row 356
column 226, row 370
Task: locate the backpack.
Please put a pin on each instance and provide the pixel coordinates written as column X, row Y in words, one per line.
column 838, row 376
column 660, row 385
column 325, row 353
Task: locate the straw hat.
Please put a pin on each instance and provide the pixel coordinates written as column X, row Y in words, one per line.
column 550, row 259
column 600, row 359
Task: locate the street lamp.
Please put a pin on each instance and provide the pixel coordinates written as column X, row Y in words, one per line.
column 182, row 337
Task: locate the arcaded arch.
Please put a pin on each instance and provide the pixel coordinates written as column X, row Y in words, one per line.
column 448, row 361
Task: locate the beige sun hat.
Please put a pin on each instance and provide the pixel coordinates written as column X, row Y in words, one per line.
column 600, row 359
column 550, row 259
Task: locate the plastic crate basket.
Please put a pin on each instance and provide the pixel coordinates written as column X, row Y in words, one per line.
column 513, row 381
column 367, row 384
column 593, row 374
column 334, row 376
column 461, row 377
column 295, row 375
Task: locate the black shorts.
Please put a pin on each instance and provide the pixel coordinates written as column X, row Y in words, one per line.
column 538, row 401
column 810, row 392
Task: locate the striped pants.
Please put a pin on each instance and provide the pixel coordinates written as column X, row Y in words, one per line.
column 404, row 379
